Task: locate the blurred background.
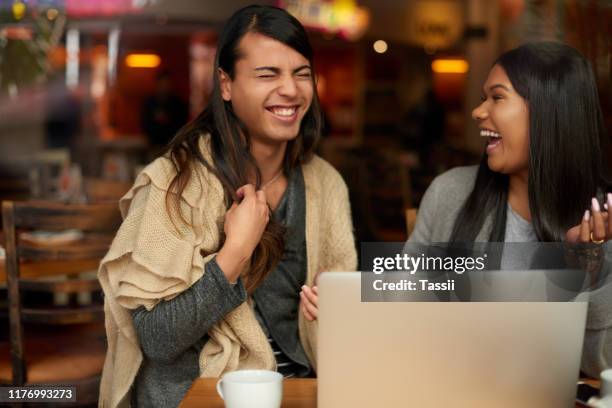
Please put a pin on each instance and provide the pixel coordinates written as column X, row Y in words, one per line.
column 91, row 90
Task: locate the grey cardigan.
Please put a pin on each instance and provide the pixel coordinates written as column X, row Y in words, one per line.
column 436, row 217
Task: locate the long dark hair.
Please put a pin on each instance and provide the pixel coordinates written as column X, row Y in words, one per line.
column 232, row 161
column 565, row 132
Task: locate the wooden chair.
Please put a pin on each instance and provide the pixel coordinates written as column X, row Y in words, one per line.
column 14, row 181
column 55, row 345
column 411, row 218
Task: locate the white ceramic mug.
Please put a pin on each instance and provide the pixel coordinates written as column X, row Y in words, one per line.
column 251, row 389
column 606, row 383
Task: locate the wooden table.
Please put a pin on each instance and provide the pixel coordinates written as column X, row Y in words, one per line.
column 297, row 393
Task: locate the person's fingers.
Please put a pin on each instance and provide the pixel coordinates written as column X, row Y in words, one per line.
column 599, row 228
column 585, row 227
column 261, row 196
column 308, row 305
column 246, row 191
column 230, row 211
column 314, row 312
column 303, row 311
column 233, row 207
column 573, row 234
column 315, row 289
column 306, row 313
column 310, row 295
column 312, row 309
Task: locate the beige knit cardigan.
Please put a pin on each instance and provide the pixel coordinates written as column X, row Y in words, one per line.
column 150, row 261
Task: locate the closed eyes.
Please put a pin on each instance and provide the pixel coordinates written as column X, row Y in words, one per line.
column 495, row 97
column 305, row 75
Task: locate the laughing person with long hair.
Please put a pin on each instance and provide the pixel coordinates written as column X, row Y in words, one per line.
column 214, row 266
column 541, row 177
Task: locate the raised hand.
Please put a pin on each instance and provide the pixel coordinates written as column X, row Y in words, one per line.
column 244, row 225
column 594, row 226
column 309, row 302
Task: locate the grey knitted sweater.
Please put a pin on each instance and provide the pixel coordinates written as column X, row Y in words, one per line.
column 436, row 217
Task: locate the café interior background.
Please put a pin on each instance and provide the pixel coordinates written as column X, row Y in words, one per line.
column 84, row 86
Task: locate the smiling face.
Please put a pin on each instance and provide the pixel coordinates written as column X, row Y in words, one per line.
column 503, row 117
column 272, row 89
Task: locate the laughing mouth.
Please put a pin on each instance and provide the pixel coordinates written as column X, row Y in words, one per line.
column 489, row 133
column 495, row 138
column 283, row 111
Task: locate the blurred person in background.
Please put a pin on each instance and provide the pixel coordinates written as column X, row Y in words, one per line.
column 163, row 114
column 422, row 128
column 214, row 266
column 62, row 116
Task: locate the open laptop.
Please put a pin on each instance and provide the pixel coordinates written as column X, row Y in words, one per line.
column 417, row 354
